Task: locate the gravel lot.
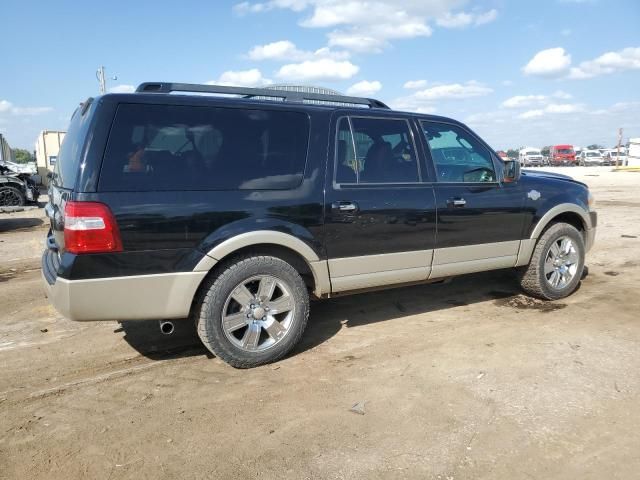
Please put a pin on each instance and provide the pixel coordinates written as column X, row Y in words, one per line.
column 468, row 379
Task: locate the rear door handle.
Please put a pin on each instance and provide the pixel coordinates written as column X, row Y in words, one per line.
column 345, row 207
column 456, row 202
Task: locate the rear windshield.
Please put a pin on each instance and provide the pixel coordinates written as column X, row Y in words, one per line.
column 67, row 166
column 166, row 147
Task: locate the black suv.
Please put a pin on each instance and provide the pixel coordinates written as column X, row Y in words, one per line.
column 235, row 210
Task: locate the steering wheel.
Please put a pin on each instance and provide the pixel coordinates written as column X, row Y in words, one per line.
column 486, row 176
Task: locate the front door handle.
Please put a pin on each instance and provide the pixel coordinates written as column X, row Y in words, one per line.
column 456, row 202
column 345, row 207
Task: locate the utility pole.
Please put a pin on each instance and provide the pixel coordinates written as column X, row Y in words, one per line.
column 101, row 80
column 619, row 141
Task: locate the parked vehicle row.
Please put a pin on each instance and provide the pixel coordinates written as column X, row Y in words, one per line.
column 567, row 155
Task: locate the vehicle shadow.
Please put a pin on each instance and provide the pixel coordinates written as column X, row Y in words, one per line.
column 145, row 337
column 11, row 224
column 330, row 316
column 352, row 311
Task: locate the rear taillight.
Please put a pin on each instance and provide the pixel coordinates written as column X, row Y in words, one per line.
column 89, row 227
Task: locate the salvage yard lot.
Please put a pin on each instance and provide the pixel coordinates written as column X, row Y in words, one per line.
column 468, row 379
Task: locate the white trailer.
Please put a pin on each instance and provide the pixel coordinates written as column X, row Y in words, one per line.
column 633, row 155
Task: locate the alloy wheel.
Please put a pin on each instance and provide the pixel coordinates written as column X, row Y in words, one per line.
column 258, row 313
column 561, row 263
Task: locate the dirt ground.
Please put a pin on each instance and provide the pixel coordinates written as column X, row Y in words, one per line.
column 469, row 379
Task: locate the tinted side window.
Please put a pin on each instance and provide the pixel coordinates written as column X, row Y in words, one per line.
column 373, row 150
column 67, row 166
column 458, row 156
column 165, row 147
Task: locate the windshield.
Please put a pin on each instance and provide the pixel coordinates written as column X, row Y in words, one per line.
column 593, row 154
column 565, row 151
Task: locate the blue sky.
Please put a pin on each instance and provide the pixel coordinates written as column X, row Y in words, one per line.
column 518, row 72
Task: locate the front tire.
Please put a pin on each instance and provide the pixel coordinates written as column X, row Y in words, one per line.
column 254, row 312
column 11, row 197
column 556, row 265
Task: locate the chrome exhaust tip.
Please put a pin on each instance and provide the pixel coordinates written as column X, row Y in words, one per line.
column 166, row 327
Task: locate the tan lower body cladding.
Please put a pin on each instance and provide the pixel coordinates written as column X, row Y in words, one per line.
column 368, row 271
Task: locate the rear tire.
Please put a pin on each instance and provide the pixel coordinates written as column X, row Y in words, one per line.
column 11, row 197
column 254, row 312
column 556, row 265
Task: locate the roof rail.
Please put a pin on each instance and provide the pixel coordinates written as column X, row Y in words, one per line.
column 285, row 95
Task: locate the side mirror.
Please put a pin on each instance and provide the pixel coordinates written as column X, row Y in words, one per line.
column 511, row 171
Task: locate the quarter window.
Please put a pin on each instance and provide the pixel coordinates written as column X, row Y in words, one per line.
column 457, row 155
column 372, row 150
column 164, row 147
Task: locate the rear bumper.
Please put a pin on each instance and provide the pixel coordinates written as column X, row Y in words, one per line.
column 139, row 297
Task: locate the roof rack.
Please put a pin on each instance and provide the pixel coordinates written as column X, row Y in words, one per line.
column 285, row 95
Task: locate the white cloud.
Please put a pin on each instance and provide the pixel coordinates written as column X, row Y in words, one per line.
column 454, row 91
column 370, row 25
column 8, row 107
column 523, row 101
column 531, row 114
column 286, row 50
column 122, row 89
column 422, row 101
column 486, row 17
column 556, row 63
column 5, row 106
column 552, row 62
column 244, row 8
column 412, row 104
column 608, row 63
column 241, row 78
column 364, row 88
column 519, row 101
column 322, row 69
column 413, row 84
column 552, row 108
column 465, row 19
column 374, row 38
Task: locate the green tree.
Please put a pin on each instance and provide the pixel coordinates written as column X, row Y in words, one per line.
column 546, row 150
column 513, row 153
column 22, row 155
column 595, row 146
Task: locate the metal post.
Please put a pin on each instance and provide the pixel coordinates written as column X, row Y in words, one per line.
column 618, row 154
column 101, row 80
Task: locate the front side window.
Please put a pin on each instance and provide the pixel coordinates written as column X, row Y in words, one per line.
column 373, row 150
column 165, row 147
column 457, row 155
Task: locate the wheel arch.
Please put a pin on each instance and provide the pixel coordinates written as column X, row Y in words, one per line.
column 296, row 252
column 570, row 213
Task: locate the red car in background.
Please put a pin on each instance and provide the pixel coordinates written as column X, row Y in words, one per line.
column 503, row 155
column 562, row 155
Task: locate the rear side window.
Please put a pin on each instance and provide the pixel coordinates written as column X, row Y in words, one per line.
column 166, row 147
column 375, row 150
column 67, row 167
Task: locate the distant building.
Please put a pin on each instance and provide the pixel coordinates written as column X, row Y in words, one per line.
column 308, row 89
column 6, row 154
column 47, row 148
